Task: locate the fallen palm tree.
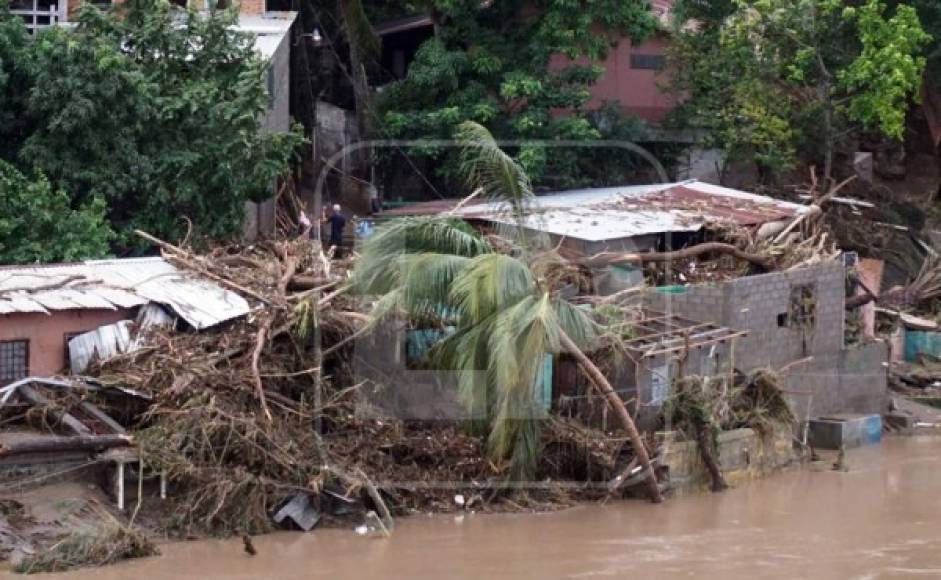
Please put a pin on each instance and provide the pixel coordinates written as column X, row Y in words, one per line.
column 505, row 308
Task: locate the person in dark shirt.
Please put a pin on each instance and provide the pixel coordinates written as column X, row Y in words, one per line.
column 337, row 223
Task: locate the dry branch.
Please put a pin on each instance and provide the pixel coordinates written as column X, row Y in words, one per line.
column 690, row 252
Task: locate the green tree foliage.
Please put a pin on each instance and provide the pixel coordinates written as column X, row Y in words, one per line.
column 929, row 13
column 38, row 224
column 771, row 78
column 156, row 109
column 489, row 63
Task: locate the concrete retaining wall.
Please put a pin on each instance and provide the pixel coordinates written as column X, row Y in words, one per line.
column 743, row 455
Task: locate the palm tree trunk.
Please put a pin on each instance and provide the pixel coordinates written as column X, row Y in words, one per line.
column 605, row 388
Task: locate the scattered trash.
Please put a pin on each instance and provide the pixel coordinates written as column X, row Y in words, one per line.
column 300, row 510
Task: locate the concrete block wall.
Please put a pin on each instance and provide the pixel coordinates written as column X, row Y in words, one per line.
column 756, row 302
column 841, row 381
column 850, row 381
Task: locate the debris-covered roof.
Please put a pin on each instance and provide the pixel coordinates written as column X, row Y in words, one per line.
column 624, row 212
column 115, row 284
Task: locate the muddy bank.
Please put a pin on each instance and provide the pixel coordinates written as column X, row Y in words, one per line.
column 882, row 518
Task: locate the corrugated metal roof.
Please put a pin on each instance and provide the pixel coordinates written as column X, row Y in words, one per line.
column 624, row 212
column 121, row 337
column 114, row 284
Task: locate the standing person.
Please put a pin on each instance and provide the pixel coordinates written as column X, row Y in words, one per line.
column 337, row 223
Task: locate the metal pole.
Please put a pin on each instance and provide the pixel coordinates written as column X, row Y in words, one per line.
column 121, row 485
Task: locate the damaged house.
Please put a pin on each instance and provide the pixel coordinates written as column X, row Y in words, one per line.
column 793, row 318
column 57, row 320
column 56, row 315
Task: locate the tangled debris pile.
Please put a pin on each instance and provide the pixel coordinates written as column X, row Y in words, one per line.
column 247, row 415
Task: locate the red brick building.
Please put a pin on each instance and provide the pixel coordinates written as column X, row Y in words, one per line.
column 634, row 74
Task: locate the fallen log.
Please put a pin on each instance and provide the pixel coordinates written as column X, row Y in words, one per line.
column 301, row 282
column 62, row 443
column 260, row 342
column 64, row 417
column 608, row 258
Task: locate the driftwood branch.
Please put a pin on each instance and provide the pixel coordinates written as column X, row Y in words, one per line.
column 191, row 262
column 43, row 287
column 816, row 207
column 690, row 252
column 260, row 341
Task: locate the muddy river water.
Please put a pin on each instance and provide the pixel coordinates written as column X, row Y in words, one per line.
column 881, row 519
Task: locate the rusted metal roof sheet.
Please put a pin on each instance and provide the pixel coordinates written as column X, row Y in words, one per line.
column 435, row 207
column 115, row 284
column 624, row 212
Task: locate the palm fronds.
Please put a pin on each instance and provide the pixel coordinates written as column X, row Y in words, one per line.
column 504, row 307
column 489, row 284
column 380, row 267
column 490, row 169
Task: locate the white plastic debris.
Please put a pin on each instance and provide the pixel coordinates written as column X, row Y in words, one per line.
column 459, row 500
column 362, row 529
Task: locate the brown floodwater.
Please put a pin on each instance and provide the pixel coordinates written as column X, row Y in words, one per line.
column 881, row 519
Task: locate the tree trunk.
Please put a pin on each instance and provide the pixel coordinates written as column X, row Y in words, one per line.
column 708, row 453
column 360, row 83
column 690, row 252
column 58, row 444
column 604, row 387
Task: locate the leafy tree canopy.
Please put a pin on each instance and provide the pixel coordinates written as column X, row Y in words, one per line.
column 489, row 63
column 38, row 224
column 769, row 78
column 156, row 109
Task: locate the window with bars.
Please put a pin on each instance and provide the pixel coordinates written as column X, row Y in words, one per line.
column 648, row 61
column 14, row 360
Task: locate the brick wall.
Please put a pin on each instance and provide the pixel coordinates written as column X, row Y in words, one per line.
column 252, row 6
